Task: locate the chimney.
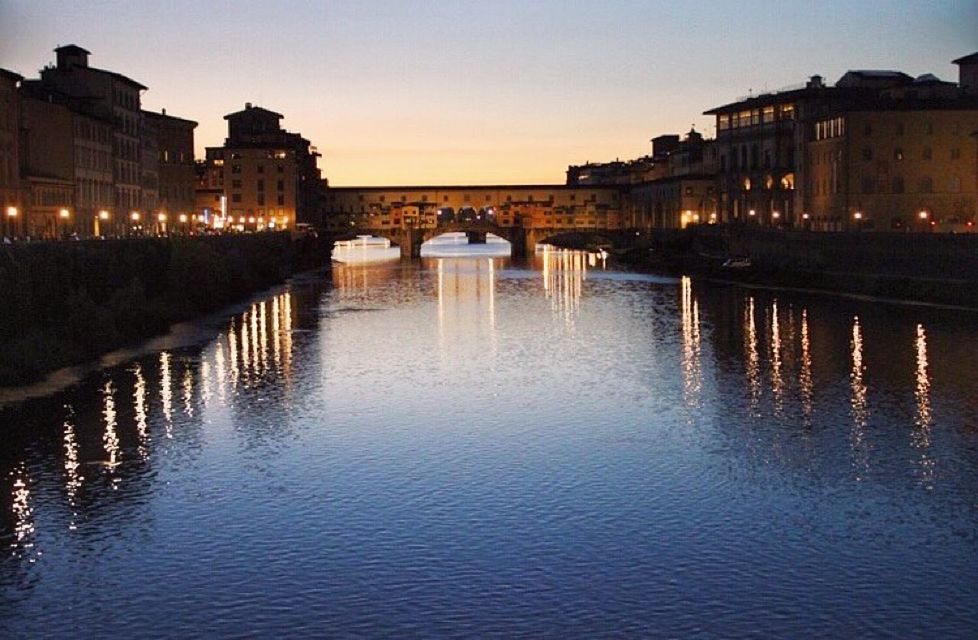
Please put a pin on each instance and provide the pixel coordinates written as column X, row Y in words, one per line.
column 163, row 111
column 815, row 82
column 247, row 105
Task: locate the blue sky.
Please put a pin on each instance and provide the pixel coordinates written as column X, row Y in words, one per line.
column 458, row 92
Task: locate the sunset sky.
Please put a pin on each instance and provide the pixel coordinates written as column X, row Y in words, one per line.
column 477, row 92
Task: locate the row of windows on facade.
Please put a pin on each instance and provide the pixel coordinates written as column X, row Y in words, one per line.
column 899, row 128
column 218, row 154
column 468, row 198
column 927, row 153
column 259, row 184
column 181, row 193
column 236, row 168
column 87, row 130
column 882, row 185
column 125, row 99
column 753, row 161
column 175, row 156
column 753, row 117
column 280, row 199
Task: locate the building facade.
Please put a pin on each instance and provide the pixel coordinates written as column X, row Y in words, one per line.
column 11, row 200
column 269, row 176
column 176, row 173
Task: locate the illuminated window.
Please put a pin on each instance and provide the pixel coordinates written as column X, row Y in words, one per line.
column 898, row 154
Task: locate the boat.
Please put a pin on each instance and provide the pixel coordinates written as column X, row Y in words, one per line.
column 364, row 249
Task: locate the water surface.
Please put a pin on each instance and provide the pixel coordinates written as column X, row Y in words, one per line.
column 468, row 448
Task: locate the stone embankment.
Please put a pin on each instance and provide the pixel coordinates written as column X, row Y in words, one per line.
column 65, row 303
column 913, row 267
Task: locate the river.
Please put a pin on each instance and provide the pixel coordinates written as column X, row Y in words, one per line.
column 464, row 447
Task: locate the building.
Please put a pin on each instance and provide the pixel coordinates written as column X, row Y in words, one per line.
column 11, row 202
column 119, row 97
column 683, row 192
column 47, row 168
column 269, row 176
column 879, row 149
column 905, row 161
column 176, row 172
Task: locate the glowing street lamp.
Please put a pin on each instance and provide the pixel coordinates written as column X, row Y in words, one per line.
column 11, row 212
column 64, row 213
column 103, row 215
column 858, row 215
column 183, row 218
column 134, row 216
column 161, row 217
column 922, row 215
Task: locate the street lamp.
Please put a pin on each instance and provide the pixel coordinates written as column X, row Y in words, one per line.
column 11, row 214
column 64, row 214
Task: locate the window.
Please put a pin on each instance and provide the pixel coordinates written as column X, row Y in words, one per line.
column 767, row 158
column 689, row 191
column 281, row 187
column 955, row 153
column 260, row 168
column 280, row 169
column 235, row 197
column 925, row 185
column 261, row 185
column 281, row 199
column 235, row 184
column 898, row 154
column 868, row 184
column 261, row 199
column 928, row 153
column 235, row 168
column 899, row 129
column 954, row 184
column 867, row 153
column 897, row 185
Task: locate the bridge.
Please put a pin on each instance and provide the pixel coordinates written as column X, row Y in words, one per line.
column 524, row 215
column 524, row 240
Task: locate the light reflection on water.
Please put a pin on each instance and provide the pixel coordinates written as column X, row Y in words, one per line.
column 468, row 445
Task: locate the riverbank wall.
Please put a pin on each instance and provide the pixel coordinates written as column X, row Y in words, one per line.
column 915, row 267
column 64, row 303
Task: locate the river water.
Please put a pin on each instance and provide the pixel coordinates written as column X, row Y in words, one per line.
column 468, row 448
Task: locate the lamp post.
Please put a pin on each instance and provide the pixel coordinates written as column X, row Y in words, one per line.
column 64, row 214
column 161, row 218
column 102, row 218
column 11, row 219
column 134, row 216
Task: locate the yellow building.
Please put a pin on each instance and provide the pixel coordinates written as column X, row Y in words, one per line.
column 913, row 165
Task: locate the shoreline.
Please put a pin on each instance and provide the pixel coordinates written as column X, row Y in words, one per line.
column 179, row 335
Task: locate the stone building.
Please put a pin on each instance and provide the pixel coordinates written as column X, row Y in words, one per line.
column 120, row 96
column 11, row 202
column 177, row 178
column 269, row 175
column 879, row 149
